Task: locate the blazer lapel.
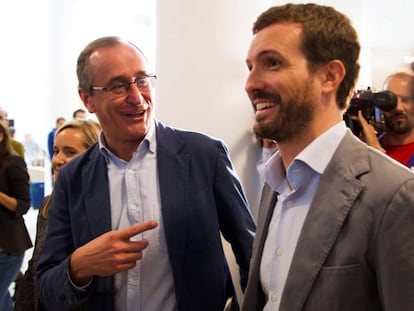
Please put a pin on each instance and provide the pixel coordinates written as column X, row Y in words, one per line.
column 336, row 193
column 255, row 299
column 96, row 189
column 173, row 174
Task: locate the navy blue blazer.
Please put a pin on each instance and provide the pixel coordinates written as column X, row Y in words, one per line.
column 201, row 196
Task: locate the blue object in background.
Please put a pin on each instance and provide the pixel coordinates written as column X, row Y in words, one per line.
column 37, row 192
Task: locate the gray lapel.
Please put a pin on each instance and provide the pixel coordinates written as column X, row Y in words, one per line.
column 336, row 193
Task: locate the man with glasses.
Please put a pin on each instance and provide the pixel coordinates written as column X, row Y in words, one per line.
column 135, row 222
column 397, row 141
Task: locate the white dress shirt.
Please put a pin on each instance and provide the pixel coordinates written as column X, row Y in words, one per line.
column 135, row 198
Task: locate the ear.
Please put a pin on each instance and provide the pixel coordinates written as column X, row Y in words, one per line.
column 332, row 76
column 86, row 99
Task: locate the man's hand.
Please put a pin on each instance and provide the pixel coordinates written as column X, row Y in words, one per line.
column 108, row 254
column 369, row 133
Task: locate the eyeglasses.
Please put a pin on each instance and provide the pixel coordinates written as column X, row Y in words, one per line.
column 120, row 88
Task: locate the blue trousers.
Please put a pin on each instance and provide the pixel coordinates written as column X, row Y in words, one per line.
column 9, row 268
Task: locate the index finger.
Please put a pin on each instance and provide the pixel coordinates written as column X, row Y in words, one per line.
column 361, row 118
column 133, row 230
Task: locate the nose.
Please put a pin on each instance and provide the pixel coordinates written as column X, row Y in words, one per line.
column 400, row 103
column 58, row 159
column 135, row 95
column 254, row 81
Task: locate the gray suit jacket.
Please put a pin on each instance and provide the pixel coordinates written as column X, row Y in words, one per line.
column 356, row 248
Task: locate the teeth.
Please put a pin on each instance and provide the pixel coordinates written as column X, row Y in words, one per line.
column 262, row 106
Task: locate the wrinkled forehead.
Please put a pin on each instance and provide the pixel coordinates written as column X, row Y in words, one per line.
column 117, row 60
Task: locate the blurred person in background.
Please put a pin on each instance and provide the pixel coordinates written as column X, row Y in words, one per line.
column 267, row 148
column 16, row 145
column 397, row 141
column 51, row 136
column 34, row 153
column 72, row 139
column 14, row 203
column 79, row 114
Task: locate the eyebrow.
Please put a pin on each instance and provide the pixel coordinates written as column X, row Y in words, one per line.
column 123, row 78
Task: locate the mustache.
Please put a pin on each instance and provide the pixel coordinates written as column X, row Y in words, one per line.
column 398, row 114
column 260, row 94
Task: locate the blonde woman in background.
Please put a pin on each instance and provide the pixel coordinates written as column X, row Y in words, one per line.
column 72, row 138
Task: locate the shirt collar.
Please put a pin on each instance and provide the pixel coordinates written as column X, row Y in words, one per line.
column 149, row 142
column 316, row 155
column 320, row 151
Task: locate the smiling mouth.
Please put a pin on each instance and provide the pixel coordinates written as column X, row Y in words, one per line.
column 264, row 105
column 139, row 113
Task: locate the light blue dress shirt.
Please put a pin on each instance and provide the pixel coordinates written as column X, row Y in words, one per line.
column 296, row 188
column 135, row 198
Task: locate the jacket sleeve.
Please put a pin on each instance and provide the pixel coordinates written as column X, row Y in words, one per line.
column 236, row 221
column 56, row 291
column 19, row 185
column 395, row 251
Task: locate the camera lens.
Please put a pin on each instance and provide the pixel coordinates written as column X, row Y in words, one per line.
column 385, row 100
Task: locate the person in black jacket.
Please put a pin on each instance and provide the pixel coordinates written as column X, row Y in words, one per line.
column 14, row 203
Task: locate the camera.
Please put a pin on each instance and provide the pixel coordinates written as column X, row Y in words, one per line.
column 371, row 105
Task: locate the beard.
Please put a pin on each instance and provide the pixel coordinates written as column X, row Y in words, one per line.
column 293, row 117
column 398, row 127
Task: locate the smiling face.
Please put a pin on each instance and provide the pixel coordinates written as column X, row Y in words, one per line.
column 282, row 90
column 125, row 118
column 68, row 144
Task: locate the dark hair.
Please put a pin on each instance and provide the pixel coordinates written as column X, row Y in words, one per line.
column 326, row 35
column 6, row 149
column 76, row 112
column 82, row 69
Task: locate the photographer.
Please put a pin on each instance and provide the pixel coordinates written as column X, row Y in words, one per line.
column 397, row 141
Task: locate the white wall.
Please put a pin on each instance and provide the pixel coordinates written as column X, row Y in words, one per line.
column 41, row 41
column 201, row 50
